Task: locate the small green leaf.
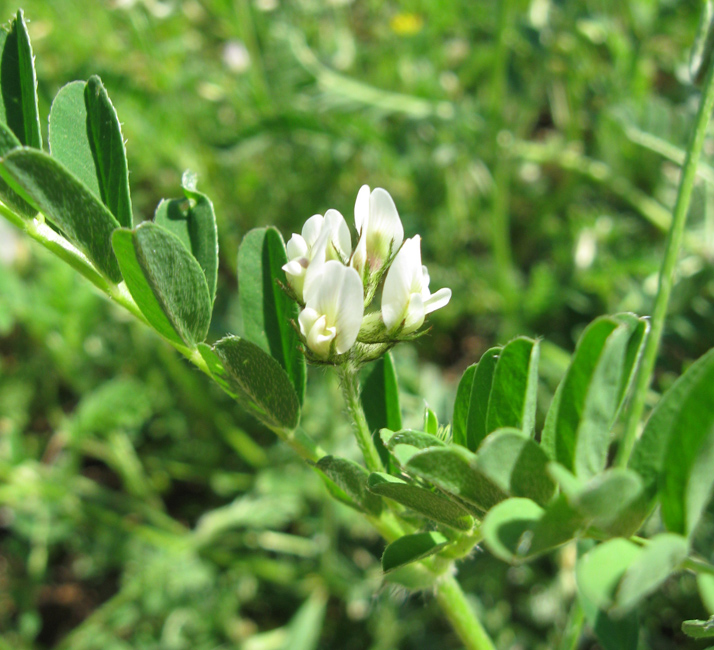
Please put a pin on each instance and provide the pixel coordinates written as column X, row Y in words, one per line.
column 699, row 629
column 599, row 571
column 412, row 548
column 47, row 186
column 675, row 454
column 705, row 584
column 507, row 527
column 417, row 439
column 18, row 99
column 305, row 627
column 512, row 401
column 380, row 401
column 259, row 382
column 662, row 556
column 8, row 142
column 165, row 281
column 431, row 422
column 454, row 470
column 267, row 310
column 516, row 464
column 471, row 406
column 425, row 502
column 586, row 404
column 193, row 221
column 107, row 145
column 352, row 478
column 69, row 136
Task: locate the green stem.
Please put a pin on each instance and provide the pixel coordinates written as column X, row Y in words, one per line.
column 666, row 275
column 698, row 566
column 461, row 615
column 573, row 627
column 351, row 392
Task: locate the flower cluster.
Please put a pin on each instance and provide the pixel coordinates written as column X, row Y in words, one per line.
column 335, row 284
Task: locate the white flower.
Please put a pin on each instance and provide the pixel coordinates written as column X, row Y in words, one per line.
column 406, row 298
column 380, row 230
column 323, row 238
column 333, row 309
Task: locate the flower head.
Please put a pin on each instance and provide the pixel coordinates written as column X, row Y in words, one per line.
column 380, row 230
column 323, row 238
column 406, row 299
column 333, row 309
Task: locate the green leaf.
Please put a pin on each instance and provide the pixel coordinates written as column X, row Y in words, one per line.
column 599, row 571
column 259, row 382
column 518, row 529
column 613, row 633
column 18, row 99
column 380, row 401
column 107, row 145
column 705, row 584
column 699, row 629
column 580, row 419
column 165, row 281
column 193, row 221
column 418, row 439
column 662, row 556
column 454, row 470
column 267, row 310
column 516, row 464
column 305, row 627
column 215, row 367
column 512, row 402
column 352, row 478
column 675, row 454
column 8, row 142
column 412, row 548
column 47, row 186
column 425, row 502
column 508, row 525
column 471, row 406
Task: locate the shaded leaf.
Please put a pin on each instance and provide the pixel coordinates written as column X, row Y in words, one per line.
column 516, row 464
column 267, row 310
column 613, row 633
column 47, row 186
column 580, row 419
column 18, row 83
column 165, row 281
column 599, row 571
column 418, row 439
column 352, row 478
column 193, row 221
column 380, row 401
column 412, row 548
column 675, row 454
column 425, row 502
column 259, row 382
column 656, row 562
column 512, row 400
column 454, row 470
column 8, row 142
column 471, row 406
column 508, row 526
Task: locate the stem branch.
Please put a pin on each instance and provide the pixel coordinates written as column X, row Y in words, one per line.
column 666, row 275
column 461, row 615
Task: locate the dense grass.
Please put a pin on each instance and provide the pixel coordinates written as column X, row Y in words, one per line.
column 535, row 147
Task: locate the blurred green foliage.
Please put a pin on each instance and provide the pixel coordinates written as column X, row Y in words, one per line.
column 534, row 145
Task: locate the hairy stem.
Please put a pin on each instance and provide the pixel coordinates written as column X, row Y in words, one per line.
column 351, row 392
column 461, row 615
column 666, row 274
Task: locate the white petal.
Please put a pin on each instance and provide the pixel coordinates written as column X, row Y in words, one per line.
column 320, row 337
column 312, row 229
column 425, row 279
column 362, row 208
column 414, row 317
column 297, row 247
column 339, row 233
column 294, row 268
column 404, row 280
column 384, row 218
column 306, row 320
column 322, row 293
column 437, row 300
column 350, row 310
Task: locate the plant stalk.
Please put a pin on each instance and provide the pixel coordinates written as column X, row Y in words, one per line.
column 349, row 383
column 667, row 270
column 461, row 615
